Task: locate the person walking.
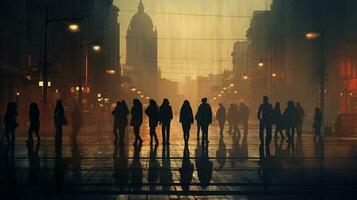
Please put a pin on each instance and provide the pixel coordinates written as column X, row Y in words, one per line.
column 136, row 120
column 290, row 120
column 122, row 120
column 152, row 111
column 10, row 121
column 186, row 119
column 204, row 116
column 231, row 118
column 244, row 112
column 221, row 117
column 165, row 120
column 115, row 113
column 277, row 121
column 317, row 123
column 60, row 120
column 300, row 118
column 34, row 116
column 76, row 120
column 265, row 115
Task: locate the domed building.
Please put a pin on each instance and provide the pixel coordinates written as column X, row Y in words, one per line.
column 141, row 52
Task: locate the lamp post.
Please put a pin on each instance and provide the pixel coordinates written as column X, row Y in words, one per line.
column 73, row 27
column 321, row 36
column 96, row 48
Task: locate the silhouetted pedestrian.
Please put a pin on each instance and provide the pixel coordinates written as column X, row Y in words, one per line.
column 204, row 168
column 120, row 113
column 60, row 120
column 300, row 118
column 290, row 120
column 10, row 121
column 34, row 116
column 233, row 118
column 221, row 117
column 186, row 119
column 204, row 116
column 317, row 123
column 76, row 120
column 265, row 115
column 277, row 121
column 137, row 119
column 244, row 116
column 153, row 113
column 165, row 119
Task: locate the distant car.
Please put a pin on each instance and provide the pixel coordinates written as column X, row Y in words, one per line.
column 346, row 124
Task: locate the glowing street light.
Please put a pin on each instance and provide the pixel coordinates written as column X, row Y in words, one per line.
column 235, row 91
column 73, row 27
column 312, row 35
column 110, row 71
column 274, row 75
column 133, row 89
column 232, row 84
column 214, row 98
column 219, row 95
column 261, row 64
column 96, row 47
column 245, row 77
column 147, row 98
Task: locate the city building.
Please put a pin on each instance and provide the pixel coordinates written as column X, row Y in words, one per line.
column 141, row 53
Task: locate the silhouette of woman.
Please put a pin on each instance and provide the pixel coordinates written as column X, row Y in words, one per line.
column 221, row 117
column 152, row 112
column 11, row 122
column 186, row 119
column 120, row 113
column 60, row 120
column 136, row 120
column 34, row 115
column 165, row 119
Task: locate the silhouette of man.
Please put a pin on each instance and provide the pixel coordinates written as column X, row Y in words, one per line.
column 265, row 115
column 204, row 117
column 11, row 124
column 165, row 119
column 233, row 118
column 186, row 119
column 317, row 123
column 221, row 117
column 60, row 120
column 290, row 120
column 300, row 118
column 244, row 116
column 136, row 120
column 153, row 113
column 277, row 120
column 34, row 115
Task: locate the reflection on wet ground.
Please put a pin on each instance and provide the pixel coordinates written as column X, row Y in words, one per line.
column 231, row 166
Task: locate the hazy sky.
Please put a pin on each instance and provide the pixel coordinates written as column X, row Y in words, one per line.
column 195, row 37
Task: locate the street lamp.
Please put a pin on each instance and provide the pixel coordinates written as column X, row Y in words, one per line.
column 72, row 27
column 261, row 64
column 274, row 75
column 321, row 36
column 96, row 48
column 245, row 77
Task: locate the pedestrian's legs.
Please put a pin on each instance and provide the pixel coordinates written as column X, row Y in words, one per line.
column 168, row 133
column 261, row 132
column 198, row 131
column 37, row 132
column 115, row 132
column 245, row 126
column 163, row 130
column 7, row 135
column 13, row 137
column 30, row 138
column 268, row 134
column 121, row 134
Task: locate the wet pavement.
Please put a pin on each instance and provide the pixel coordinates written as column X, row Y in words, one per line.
column 231, row 166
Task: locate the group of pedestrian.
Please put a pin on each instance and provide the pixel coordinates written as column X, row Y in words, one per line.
column 291, row 120
column 160, row 115
column 11, row 122
column 237, row 116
